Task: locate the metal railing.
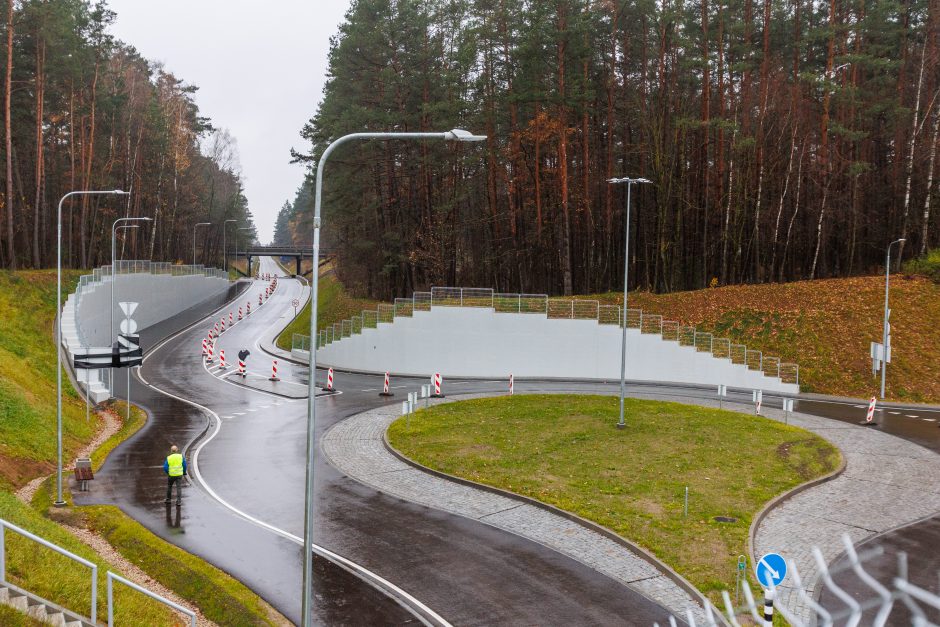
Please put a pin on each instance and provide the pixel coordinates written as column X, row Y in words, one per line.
column 153, row 595
column 4, row 525
column 877, row 607
column 560, row 309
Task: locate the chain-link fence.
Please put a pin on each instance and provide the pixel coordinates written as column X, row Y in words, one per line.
column 561, row 309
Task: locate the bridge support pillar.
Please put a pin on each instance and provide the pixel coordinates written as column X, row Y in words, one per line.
column 297, row 259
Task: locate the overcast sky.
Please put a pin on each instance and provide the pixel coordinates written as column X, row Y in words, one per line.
column 260, row 68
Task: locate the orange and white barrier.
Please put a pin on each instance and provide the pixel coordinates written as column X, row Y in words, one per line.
column 274, row 376
column 222, row 365
column 437, row 380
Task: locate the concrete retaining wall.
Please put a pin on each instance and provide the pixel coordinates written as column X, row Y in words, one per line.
column 478, row 342
column 86, row 317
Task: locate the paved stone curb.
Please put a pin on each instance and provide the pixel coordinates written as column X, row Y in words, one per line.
column 356, row 446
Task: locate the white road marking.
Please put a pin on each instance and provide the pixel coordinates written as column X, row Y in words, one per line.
column 896, row 413
column 912, row 416
column 239, row 413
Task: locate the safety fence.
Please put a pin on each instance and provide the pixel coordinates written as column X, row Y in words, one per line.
column 849, row 595
column 555, row 308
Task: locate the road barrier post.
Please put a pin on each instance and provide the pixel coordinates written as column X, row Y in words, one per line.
column 241, row 368
column 756, row 397
column 231, row 319
column 722, row 393
column 248, row 308
column 239, row 313
column 222, row 325
column 329, row 380
column 274, row 376
column 769, row 607
column 385, row 391
column 870, row 416
column 205, row 350
column 437, row 380
column 510, row 385
column 210, row 357
column 787, row 410
column 222, row 365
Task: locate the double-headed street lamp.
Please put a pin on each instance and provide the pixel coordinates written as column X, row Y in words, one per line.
column 196, row 226
column 58, row 352
column 884, row 329
column 224, row 250
column 626, row 265
column 114, row 228
column 457, row 134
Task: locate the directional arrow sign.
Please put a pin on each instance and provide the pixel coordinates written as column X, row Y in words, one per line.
column 128, row 308
column 771, row 569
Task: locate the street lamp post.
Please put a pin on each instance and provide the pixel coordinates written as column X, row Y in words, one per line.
column 114, row 228
column 884, row 328
column 196, row 226
column 128, row 395
column 453, row 135
column 224, row 249
column 58, row 353
column 626, row 265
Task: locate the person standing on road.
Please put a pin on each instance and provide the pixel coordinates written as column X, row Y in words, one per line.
column 175, row 468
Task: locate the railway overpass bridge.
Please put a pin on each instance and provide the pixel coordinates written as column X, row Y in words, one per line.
column 298, row 253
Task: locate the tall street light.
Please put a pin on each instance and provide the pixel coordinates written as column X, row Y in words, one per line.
column 114, row 228
column 884, row 330
column 456, row 134
column 626, row 265
column 196, row 226
column 128, row 395
column 58, row 353
column 224, row 250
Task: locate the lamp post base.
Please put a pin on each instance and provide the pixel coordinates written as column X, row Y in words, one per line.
column 59, row 503
column 620, row 425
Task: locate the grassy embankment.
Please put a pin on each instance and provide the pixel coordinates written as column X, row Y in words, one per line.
column 824, row 326
column 27, row 450
column 333, row 304
column 566, row 451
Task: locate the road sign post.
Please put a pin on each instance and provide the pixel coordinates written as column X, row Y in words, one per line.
column 296, row 303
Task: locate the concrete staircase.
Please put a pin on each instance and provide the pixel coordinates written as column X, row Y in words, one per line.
column 44, row 611
column 97, row 390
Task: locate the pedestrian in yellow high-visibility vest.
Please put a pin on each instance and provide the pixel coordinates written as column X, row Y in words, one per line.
column 175, row 468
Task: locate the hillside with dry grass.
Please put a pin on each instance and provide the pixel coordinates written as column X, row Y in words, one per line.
column 824, row 326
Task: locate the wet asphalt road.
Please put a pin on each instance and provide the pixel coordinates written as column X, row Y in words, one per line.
column 466, row 571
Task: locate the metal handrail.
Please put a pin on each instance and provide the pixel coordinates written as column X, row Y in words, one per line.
column 153, row 595
column 4, row 525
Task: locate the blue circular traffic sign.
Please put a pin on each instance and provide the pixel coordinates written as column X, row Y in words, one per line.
column 771, row 569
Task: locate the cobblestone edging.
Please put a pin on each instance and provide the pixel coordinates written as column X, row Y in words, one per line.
column 886, row 484
column 356, row 446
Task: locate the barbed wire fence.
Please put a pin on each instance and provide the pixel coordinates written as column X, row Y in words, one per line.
column 858, row 598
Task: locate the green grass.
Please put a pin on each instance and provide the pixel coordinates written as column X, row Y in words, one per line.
column 10, row 617
column 333, row 305
column 823, row 326
column 220, row 597
column 128, row 428
column 27, row 379
column 566, row 451
column 928, row 265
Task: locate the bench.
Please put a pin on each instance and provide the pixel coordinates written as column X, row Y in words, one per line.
column 83, row 473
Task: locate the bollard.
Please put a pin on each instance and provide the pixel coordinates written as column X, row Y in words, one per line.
column 241, row 369
column 437, row 380
column 274, row 371
column 787, row 410
column 239, row 313
column 756, row 397
column 426, row 393
column 769, row 607
column 209, row 356
column 260, row 301
column 385, row 391
column 510, row 385
column 722, row 393
column 870, row 416
column 231, row 319
column 222, row 326
column 329, row 380
column 205, row 351
column 248, row 308
column 222, row 365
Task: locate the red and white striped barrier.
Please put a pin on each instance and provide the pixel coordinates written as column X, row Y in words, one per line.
column 222, row 326
column 231, row 319
column 248, row 308
column 215, row 329
column 510, row 385
column 385, row 391
column 274, row 371
column 870, row 416
column 239, row 313
column 209, row 356
column 437, row 380
column 205, row 351
column 241, row 369
column 222, row 365
column 329, row 380
column 260, row 301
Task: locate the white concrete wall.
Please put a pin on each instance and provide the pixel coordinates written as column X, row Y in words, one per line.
column 86, row 316
column 477, row 342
